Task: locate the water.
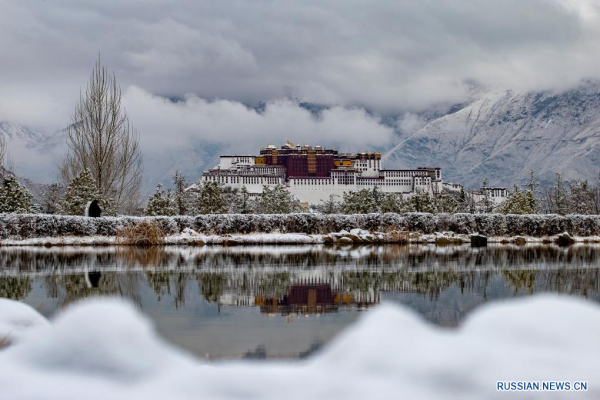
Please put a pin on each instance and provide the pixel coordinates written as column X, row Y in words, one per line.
column 287, row 301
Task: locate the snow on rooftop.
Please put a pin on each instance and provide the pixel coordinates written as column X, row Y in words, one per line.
column 105, row 349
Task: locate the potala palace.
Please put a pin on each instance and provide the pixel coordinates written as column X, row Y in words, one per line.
column 313, row 174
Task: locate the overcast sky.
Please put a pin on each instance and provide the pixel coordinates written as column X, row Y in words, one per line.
column 388, row 57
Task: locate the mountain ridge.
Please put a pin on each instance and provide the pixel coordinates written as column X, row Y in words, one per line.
column 502, row 135
column 497, row 134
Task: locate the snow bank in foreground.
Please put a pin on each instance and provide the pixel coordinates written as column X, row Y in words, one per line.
column 104, row 349
column 16, row 319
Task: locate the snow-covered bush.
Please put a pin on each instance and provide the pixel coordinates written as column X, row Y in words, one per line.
column 180, row 198
column 44, row 225
column 14, row 197
column 302, row 223
column 160, row 203
column 52, row 199
column 211, row 199
column 520, row 202
column 276, row 200
column 240, row 201
column 81, row 190
column 183, row 222
column 486, row 224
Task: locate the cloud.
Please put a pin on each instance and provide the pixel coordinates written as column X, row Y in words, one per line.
column 410, row 123
column 385, row 55
column 218, row 60
column 167, row 125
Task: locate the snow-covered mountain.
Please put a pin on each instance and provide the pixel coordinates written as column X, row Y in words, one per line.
column 36, row 156
column 29, row 154
column 195, row 158
column 17, row 135
column 498, row 135
column 501, row 135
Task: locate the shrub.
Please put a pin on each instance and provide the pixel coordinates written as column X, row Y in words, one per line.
column 392, row 235
column 144, row 233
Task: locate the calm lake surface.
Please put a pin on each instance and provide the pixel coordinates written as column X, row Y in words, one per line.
column 287, row 301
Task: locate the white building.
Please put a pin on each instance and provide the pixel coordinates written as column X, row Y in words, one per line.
column 313, row 174
column 494, row 196
column 406, row 182
column 482, row 198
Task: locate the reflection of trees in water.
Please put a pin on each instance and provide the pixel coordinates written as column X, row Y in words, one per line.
column 475, row 282
column 362, row 281
column 15, row 287
column 520, row 280
column 431, row 283
column 274, row 285
column 270, row 271
column 580, row 282
column 160, row 282
column 215, row 258
column 68, row 288
column 211, row 285
column 41, row 259
column 269, row 284
column 166, row 282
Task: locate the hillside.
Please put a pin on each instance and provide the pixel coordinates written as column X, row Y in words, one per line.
column 501, row 135
column 33, row 154
column 36, row 156
column 36, row 189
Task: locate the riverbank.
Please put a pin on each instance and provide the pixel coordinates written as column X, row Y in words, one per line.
column 439, row 238
column 232, row 229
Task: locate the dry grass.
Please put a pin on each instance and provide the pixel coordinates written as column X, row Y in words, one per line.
column 144, row 233
column 4, row 342
column 392, row 235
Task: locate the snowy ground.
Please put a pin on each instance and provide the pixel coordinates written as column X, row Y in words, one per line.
column 104, row 349
column 278, row 238
column 183, row 239
column 16, row 319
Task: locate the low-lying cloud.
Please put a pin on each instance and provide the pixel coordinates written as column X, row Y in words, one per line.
column 242, row 128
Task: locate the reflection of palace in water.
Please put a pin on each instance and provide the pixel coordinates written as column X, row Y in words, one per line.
column 298, row 280
column 303, row 298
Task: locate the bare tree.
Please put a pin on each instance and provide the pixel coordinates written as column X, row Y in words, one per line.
column 2, row 150
column 101, row 139
column 7, row 166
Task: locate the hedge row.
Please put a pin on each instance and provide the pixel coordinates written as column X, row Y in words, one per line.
column 41, row 225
